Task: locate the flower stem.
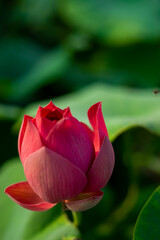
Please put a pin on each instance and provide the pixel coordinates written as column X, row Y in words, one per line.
column 76, row 218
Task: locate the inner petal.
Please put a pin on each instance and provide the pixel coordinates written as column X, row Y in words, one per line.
column 70, row 139
column 54, row 115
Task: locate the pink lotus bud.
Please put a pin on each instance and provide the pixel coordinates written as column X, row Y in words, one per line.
column 63, row 159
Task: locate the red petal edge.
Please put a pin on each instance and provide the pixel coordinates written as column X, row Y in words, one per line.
column 84, row 201
column 23, row 195
column 22, row 131
column 50, row 106
column 31, row 141
column 67, row 112
column 96, row 119
column 102, row 168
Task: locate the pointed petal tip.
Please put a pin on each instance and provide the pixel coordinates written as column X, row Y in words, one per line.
column 96, row 105
column 99, row 103
column 97, row 122
column 39, row 109
column 50, row 105
column 67, row 112
column 84, row 201
column 22, row 194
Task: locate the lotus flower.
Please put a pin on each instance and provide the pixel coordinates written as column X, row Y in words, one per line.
column 63, row 160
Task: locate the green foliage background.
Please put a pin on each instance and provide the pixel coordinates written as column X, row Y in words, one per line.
column 78, row 52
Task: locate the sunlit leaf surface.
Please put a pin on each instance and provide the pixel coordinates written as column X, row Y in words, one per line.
column 148, row 222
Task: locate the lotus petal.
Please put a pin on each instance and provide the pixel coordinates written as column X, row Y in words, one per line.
column 22, row 194
column 53, row 177
column 97, row 121
column 70, row 139
column 67, row 112
column 102, row 168
column 31, row 140
column 84, row 201
column 50, row 106
column 22, row 131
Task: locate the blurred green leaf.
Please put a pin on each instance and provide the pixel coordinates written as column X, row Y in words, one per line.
column 18, row 55
column 8, row 141
column 57, row 229
column 70, row 238
column 9, row 112
column 117, row 22
column 47, row 70
column 148, row 222
column 133, row 66
column 21, row 224
column 10, row 173
column 122, row 108
column 35, row 12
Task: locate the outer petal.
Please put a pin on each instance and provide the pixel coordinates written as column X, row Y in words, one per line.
column 52, row 176
column 22, row 194
column 31, row 141
column 97, row 121
column 70, row 139
column 102, row 167
column 22, row 131
column 84, row 201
